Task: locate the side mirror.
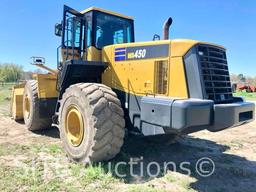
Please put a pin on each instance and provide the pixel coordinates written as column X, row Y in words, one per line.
column 58, row 29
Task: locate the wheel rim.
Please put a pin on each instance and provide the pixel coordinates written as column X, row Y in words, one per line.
column 27, row 107
column 74, row 126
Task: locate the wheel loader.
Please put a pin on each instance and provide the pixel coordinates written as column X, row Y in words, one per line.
column 107, row 84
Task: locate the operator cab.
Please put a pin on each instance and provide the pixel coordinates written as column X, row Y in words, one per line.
column 92, row 27
column 83, row 35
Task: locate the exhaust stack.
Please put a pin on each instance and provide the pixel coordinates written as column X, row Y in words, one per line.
column 166, row 27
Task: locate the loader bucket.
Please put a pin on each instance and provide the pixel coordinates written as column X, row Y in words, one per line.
column 17, row 102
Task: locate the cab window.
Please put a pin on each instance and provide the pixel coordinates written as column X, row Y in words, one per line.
column 88, row 29
column 111, row 30
column 72, row 39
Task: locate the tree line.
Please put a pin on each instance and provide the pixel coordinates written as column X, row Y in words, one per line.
column 243, row 79
column 10, row 72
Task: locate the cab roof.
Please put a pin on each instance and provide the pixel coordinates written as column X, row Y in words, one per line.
column 105, row 11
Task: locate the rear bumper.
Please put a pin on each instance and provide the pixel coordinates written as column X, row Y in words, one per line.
column 231, row 115
column 191, row 115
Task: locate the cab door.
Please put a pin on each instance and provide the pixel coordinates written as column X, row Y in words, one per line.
column 73, row 35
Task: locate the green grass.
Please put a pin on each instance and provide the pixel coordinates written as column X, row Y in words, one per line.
column 247, row 96
column 5, row 93
column 93, row 174
column 5, row 97
column 182, row 183
column 53, row 149
column 14, row 179
column 39, row 159
column 31, row 175
column 16, row 149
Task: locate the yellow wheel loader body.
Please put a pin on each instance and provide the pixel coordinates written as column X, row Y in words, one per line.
column 17, row 102
column 46, row 84
column 106, row 83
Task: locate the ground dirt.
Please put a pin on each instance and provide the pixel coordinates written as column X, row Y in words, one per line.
column 233, row 152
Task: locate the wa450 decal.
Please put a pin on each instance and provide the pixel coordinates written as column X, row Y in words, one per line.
column 141, row 52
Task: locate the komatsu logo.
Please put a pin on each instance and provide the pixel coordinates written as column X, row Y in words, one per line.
column 120, row 54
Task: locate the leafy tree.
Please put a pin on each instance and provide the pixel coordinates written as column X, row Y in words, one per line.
column 10, row 72
column 242, row 78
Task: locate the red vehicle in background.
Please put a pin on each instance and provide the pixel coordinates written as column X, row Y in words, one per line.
column 243, row 86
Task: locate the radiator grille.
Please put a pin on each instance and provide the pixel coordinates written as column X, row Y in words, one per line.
column 161, row 77
column 215, row 74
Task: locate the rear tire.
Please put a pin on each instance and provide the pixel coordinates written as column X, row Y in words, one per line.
column 31, row 108
column 100, row 133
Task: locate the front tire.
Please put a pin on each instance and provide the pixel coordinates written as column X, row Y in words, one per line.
column 91, row 123
column 31, row 107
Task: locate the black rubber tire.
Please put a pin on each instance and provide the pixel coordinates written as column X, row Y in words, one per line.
column 34, row 122
column 103, row 119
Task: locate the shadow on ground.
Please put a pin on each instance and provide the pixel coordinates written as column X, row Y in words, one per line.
column 51, row 132
column 232, row 172
column 48, row 132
